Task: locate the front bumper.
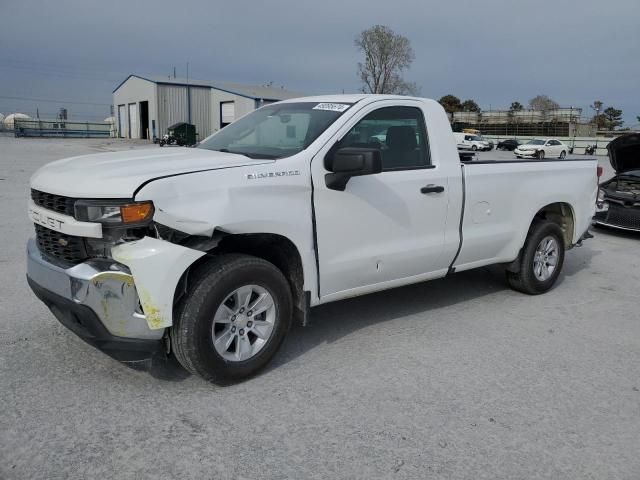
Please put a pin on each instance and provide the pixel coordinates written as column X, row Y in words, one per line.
column 619, row 216
column 526, row 153
column 98, row 301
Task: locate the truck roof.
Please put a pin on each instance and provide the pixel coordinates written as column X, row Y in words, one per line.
column 349, row 98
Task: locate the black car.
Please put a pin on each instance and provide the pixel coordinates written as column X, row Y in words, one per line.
column 508, row 144
column 618, row 203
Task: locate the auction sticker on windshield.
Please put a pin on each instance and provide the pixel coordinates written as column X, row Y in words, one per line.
column 333, row 107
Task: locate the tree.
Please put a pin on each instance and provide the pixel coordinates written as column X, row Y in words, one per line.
column 638, row 118
column 386, row 56
column 612, row 118
column 450, row 103
column 516, row 107
column 542, row 103
column 469, row 106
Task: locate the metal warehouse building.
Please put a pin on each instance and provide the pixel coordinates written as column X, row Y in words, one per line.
column 146, row 106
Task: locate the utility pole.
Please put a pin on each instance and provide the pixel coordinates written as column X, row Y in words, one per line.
column 188, row 97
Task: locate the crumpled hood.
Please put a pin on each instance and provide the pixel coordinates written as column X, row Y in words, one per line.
column 120, row 174
column 624, row 153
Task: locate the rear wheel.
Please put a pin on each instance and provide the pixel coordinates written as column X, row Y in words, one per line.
column 233, row 320
column 541, row 259
column 474, row 148
column 563, row 154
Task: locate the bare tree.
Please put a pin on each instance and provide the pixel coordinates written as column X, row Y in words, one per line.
column 542, row 103
column 386, row 56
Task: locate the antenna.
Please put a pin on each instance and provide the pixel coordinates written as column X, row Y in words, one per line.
column 174, row 72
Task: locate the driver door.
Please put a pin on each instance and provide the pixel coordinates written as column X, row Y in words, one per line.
column 386, row 227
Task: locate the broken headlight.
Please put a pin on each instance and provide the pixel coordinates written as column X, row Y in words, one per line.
column 114, row 212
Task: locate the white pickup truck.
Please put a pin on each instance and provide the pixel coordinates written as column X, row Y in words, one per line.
column 208, row 254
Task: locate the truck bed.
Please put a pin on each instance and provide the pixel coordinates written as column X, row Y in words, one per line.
column 496, row 217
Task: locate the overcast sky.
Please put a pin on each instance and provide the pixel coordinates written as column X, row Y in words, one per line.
column 494, row 51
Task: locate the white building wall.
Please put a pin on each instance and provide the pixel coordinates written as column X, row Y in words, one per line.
column 243, row 106
column 201, row 111
column 135, row 90
column 172, row 106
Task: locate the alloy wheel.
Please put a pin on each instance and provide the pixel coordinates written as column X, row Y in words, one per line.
column 243, row 323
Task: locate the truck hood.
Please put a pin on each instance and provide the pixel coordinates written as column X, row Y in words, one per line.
column 624, row 153
column 120, row 174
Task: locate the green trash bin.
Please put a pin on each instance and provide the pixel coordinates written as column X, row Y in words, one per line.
column 183, row 133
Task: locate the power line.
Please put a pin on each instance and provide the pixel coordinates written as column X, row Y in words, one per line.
column 54, row 101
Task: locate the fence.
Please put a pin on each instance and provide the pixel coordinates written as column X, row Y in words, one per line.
column 547, row 129
column 61, row 128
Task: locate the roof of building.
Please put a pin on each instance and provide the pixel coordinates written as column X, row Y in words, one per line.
column 256, row 92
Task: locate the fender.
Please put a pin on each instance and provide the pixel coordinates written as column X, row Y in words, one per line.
column 156, row 266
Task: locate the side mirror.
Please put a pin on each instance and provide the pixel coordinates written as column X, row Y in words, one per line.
column 351, row 162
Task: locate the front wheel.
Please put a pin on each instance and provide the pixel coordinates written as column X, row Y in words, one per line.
column 541, row 259
column 540, row 154
column 474, row 148
column 234, row 319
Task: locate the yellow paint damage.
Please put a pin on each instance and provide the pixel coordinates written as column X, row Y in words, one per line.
column 152, row 313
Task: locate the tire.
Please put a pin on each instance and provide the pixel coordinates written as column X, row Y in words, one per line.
column 563, row 155
column 527, row 280
column 474, row 148
column 540, row 154
column 192, row 335
column 162, row 142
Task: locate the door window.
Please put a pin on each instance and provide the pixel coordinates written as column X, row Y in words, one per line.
column 398, row 132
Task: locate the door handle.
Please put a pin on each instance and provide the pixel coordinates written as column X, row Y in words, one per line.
column 431, row 188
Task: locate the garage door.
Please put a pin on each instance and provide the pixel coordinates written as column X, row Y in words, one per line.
column 123, row 130
column 227, row 113
column 134, row 126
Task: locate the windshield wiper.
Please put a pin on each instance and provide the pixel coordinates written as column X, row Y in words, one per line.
column 249, row 155
column 226, row 150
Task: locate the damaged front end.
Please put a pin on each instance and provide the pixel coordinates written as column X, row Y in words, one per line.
column 618, row 204
column 109, row 280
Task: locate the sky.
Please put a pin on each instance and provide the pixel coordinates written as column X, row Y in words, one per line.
column 73, row 53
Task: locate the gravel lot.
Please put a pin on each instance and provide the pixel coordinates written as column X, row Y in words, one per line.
column 456, row 378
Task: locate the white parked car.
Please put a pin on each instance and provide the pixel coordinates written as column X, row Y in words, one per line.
column 469, row 141
column 208, row 254
column 542, row 148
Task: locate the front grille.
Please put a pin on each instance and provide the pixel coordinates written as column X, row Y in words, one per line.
column 60, row 246
column 623, row 217
column 57, row 203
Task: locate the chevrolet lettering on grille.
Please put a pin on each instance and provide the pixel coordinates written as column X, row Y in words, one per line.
column 45, row 220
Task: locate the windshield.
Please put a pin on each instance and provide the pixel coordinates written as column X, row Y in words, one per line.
column 535, row 142
column 276, row 131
